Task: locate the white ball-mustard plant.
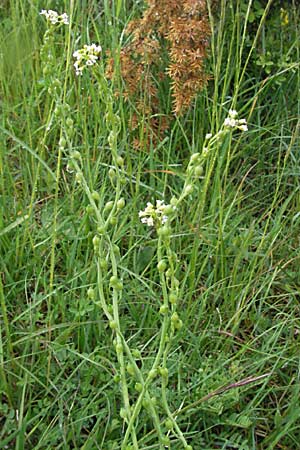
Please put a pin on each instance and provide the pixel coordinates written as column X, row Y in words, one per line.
column 86, row 57
column 54, row 18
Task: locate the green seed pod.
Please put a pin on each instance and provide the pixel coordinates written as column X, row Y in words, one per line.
column 169, row 272
column 69, row 122
column 117, row 378
column 164, row 231
column 103, row 264
column 188, row 189
column 119, row 349
column 198, row 171
column 123, row 413
column 89, row 209
column 136, row 353
column 116, row 250
column 101, row 229
column 76, row 155
column 114, row 280
column 175, row 282
column 165, row 440
column 188, row 447
column 120, row 161
column 91, row 293
column 112, row 139
column 78, row 177
column 108, row 206
column 173, row 298
column 164, row 372
column 174, row 201
column 96, row 242
column 145, row 403
column 162, row 265
column 113, row 220
column 113, row 324
column 138, row 387
column 96, row 196
column 153, row 374
column 194, row 158
column 121, row 203
column 169, row 424
column 163, row 309
column 62, row 142
column 178, row 325
column 130, row 369
column 112, row 174
column 174, row 317
column 153, row 401
column 169, row 210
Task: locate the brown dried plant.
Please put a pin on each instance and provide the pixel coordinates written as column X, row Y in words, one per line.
column 170, row 39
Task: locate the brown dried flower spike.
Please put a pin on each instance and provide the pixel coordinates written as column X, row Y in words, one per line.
column 178, row 29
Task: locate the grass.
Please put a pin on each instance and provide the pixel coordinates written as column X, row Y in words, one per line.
column 233, row 366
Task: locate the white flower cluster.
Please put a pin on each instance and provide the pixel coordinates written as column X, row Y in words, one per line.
column 156, row 216
column 232, row 122
column 87, row 56
column 55, row 18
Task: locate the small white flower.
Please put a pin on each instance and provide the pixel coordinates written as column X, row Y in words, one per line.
column 230, row 122
column 232, row 113
column 243, row 127
column 54, row 18
column 208, row 135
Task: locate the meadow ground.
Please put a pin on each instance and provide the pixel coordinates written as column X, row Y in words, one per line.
column 173, row 325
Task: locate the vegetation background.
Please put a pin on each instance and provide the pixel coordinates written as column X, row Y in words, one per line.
column 234, row 366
